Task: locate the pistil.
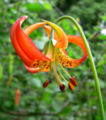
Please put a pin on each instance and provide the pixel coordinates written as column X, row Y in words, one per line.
column 61, row 85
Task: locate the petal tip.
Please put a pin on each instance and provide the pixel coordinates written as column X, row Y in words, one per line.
column 25, row 16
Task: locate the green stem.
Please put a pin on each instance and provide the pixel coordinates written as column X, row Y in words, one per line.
column 91, row 62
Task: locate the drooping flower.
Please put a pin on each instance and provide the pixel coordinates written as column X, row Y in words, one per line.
column 53, row 56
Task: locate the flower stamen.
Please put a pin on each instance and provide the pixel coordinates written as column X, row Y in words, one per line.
column 61, row 74
column 65, row 70
column 62, row 87
column 71, row 86
column 73, row 81
column 46, row 83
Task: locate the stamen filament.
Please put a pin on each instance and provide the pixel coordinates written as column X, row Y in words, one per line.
column 65, row 70
column 56, row 75
column 61, row 74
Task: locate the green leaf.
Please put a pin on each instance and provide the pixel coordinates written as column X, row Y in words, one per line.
column 1, row 72
column 36, row 7
column 47, row 6
column 102, row 37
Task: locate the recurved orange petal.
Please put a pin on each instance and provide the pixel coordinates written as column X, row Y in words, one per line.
column 48, row 30
column 60, row 36
column 65, row 60
column 78, row 41
column 32, row 69
column 16, row 46
column 23, row 45
column 32, row 27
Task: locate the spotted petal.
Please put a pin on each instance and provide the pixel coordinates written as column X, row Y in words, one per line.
column 65, row 60
column 23, row 45
column 37, row 65
column 32, row 69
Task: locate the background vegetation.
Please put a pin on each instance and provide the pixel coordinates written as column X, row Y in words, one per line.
column 37, row 103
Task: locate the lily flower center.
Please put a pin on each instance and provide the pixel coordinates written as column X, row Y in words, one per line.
column 58, row 58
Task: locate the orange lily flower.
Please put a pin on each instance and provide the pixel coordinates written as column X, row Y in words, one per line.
column 53, row 56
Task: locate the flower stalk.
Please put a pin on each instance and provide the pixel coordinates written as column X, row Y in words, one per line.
column 90, row 59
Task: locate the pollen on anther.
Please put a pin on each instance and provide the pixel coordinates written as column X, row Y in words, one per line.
column 73, row 81
column 45, row 84
column 62, row 87
column 70, row 85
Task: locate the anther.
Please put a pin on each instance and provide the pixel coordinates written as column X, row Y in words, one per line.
column 73, row 81
column 45, row 84
column 70, row 85
column 62, row 87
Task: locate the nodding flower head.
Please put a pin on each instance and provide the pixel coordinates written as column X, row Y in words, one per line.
column 53, row 56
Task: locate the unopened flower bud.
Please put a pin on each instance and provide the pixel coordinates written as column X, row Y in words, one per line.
column 17, row 97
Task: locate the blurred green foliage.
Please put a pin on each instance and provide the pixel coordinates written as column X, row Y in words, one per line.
column 37, row 103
